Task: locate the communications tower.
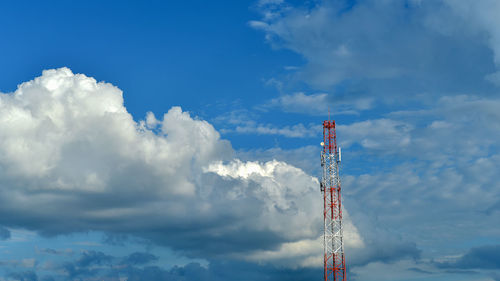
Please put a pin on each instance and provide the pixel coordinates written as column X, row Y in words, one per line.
column 334, row 260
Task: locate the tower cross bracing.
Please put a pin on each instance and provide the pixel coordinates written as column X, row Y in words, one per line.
column 334, row 259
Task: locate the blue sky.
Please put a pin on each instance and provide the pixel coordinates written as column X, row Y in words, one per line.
column 166, row 140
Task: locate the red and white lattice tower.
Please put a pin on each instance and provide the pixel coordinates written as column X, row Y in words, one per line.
column 334, row 263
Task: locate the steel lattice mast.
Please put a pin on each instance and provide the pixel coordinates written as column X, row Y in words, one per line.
column 334, row 260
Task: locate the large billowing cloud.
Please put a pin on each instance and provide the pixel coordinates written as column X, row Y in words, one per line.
column 73, row 159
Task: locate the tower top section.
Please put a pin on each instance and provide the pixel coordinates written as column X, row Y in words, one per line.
column 329, row 136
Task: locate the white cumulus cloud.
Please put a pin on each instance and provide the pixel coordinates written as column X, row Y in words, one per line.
column 73, row 159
